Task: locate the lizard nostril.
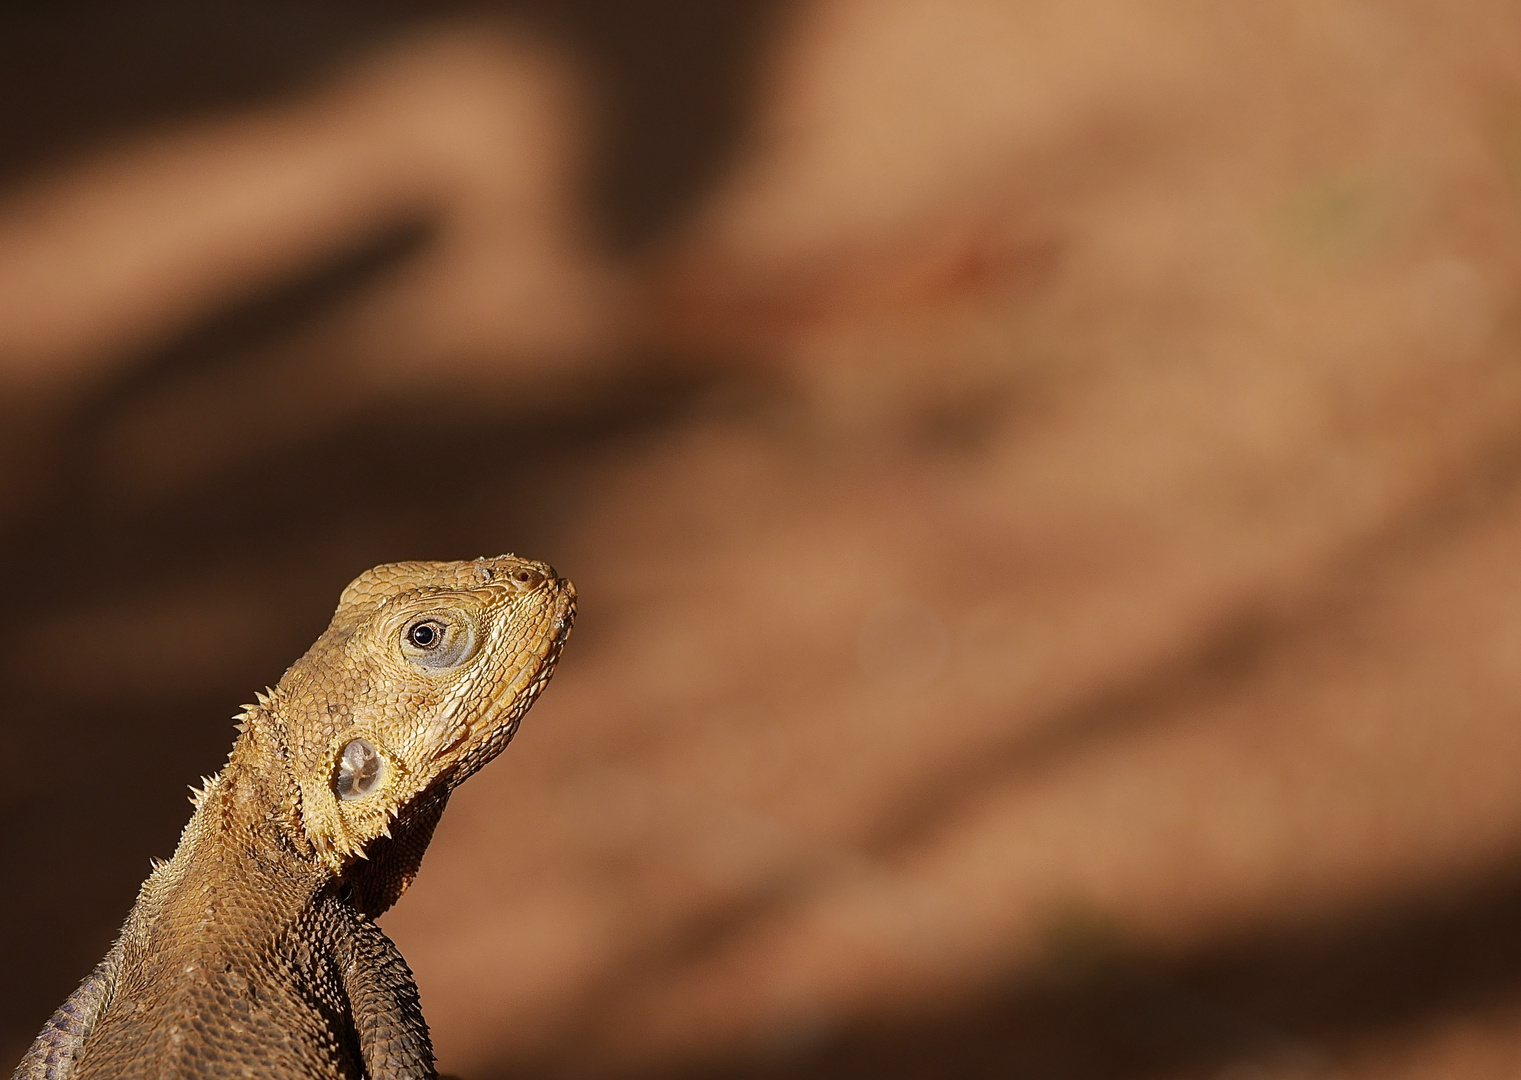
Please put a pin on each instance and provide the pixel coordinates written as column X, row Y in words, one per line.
column 527, row 578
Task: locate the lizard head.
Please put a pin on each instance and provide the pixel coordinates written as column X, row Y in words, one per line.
column 420, row 679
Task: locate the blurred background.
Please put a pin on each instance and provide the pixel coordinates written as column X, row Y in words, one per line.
column 1043, row 480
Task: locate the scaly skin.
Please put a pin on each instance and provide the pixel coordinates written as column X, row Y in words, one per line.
column 253, row 951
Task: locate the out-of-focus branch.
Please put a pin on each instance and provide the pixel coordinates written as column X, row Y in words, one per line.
column 472, row 128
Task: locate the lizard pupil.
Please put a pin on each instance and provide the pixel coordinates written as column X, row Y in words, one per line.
column 359, row 770
column 424, row 635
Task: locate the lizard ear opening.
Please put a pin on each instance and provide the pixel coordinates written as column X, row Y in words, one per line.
column 360, row 768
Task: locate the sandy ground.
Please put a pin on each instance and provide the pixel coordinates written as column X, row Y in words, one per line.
column 1046, row 500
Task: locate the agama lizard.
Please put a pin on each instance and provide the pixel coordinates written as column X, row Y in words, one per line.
column 253, row 950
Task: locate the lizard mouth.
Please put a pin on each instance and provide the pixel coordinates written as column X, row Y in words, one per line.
column 565, row 610
column 560, row 625
column 498, row 723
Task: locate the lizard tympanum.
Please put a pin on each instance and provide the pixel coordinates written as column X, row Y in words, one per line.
column 253, row 951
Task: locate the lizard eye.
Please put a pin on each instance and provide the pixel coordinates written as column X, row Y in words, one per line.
column 426, row 634
column 359, row 770
column 438, row 640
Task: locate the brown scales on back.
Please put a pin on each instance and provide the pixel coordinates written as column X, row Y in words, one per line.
column 253, row 951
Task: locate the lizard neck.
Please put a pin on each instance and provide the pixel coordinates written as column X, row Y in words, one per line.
column 248, row 819
column 239, row 873
column 248, row 826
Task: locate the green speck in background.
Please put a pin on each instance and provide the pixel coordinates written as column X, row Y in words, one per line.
column 1336, row 220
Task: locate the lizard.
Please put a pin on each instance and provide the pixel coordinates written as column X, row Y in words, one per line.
column 253, row 950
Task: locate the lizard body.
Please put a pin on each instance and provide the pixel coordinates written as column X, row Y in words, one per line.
column 253, row 950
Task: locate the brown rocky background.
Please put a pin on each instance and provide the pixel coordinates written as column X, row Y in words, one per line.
column 1044, row 481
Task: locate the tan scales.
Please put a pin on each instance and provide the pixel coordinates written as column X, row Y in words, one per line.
column 253, row 950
